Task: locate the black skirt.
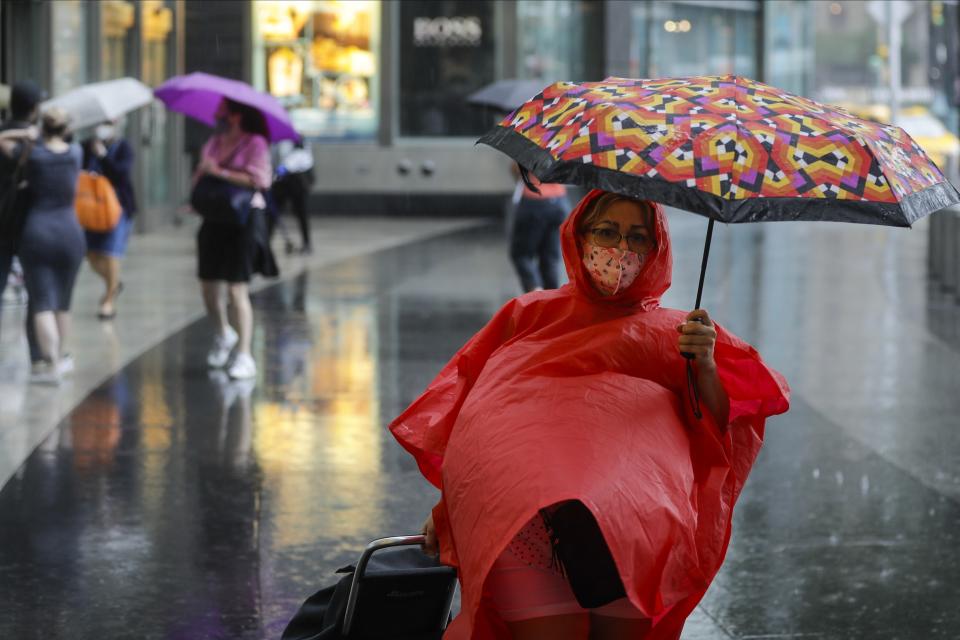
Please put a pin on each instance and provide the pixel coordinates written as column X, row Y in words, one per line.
column 232, row 253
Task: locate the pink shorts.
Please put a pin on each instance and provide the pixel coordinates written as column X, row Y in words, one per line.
column 522, row 592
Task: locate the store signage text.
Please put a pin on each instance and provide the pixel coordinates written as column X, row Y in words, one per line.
column 455, row 31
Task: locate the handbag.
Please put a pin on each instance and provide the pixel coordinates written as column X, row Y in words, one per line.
column 98, row 208
column 583, row 555
column 220, row 201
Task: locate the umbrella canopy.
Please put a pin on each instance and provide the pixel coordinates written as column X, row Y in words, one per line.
column 199, row 94
column 506, row 95
column 727, row 147
column 101, row 101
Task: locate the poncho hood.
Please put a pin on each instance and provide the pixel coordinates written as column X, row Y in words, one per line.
column 654, row 278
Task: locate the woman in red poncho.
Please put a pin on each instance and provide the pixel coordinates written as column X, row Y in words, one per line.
column 579, row 396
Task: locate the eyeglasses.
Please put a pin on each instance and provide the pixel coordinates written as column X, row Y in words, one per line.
column 609, row 237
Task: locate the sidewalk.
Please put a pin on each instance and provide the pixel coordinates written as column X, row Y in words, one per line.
column 161, row 296
column 178, row 504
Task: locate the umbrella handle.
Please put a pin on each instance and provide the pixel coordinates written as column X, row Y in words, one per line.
column 703, row 274
column 692, row 390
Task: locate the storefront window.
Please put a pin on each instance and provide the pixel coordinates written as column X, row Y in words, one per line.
column 69, row 45
column 690, row 38
column 447, row 51
column 577, row 56
column 320, row 59
column 117, row 18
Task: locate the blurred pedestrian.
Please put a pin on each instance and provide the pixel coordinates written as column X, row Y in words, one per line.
column 294, row 178
column 52, row 243
column 535, row 235
column 230, row 251
column 25, row 98
column 110, row 155
column 582, row 494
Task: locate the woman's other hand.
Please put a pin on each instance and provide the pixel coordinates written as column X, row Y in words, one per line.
column 430, row 546
column 208, row 167
column 698, row 336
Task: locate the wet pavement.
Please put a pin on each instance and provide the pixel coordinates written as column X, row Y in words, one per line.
column 172, row 503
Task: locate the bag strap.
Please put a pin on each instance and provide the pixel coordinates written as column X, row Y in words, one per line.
column 243, row 144
column 22, row 160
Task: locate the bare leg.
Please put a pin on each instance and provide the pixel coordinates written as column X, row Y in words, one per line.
column 48, row 336
column 108, row 268
column 215, row 302
column 607, row 628
column 575, row 626
column 97, row 264
column 243, row 315
column 231, row 311
column 63, row 331
column 112, row 270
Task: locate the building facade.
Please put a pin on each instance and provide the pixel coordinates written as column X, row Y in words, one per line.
column 378, row 87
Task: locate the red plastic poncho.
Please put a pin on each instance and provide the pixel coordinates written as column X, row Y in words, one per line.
column 567, row 394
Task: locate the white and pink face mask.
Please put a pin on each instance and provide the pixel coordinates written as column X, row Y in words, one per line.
column 612, row 269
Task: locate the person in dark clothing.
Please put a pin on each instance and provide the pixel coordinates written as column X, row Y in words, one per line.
column 294, row 177
column 51, row 245
column 110, row 155
column 535, row 236
column 25, row 98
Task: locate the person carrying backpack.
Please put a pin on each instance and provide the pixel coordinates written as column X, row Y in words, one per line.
column 25, row 98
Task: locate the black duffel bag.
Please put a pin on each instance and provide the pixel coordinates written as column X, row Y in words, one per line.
column 398, row 594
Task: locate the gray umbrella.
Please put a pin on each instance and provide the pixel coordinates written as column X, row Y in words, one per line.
column 508, row 94
column 101, row 101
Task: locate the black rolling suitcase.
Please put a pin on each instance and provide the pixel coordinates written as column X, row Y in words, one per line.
column 398, row 594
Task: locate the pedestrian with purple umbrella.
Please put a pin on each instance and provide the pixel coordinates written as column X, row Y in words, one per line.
column 228, row 254
column 233, row 173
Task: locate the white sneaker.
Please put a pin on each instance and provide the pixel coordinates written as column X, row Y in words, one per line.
column 243, row 367
column 66, row 364
column 223, row 344
column 45, row 373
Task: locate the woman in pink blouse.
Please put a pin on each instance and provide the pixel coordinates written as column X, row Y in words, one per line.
column 228, row 254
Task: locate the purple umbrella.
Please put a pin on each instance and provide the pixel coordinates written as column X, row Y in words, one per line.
column 199, row 94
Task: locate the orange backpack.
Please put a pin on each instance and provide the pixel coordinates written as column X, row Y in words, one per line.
column 96, row 202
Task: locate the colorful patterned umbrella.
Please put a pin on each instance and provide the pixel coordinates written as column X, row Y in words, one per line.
column 727, row 147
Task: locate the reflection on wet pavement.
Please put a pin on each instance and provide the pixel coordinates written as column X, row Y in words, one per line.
column 174, row 503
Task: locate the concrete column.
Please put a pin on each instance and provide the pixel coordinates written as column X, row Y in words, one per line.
column 618, row 22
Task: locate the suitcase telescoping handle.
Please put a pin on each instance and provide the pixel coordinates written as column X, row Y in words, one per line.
column 373, row 547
